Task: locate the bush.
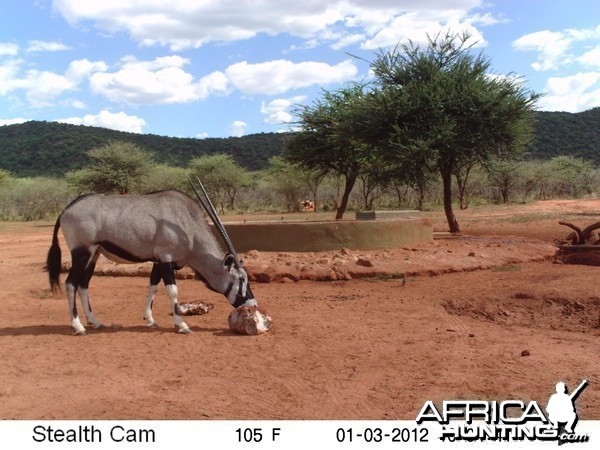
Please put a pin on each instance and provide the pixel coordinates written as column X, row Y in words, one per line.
column 33, row 198
column 118, row 167
column 162, row 177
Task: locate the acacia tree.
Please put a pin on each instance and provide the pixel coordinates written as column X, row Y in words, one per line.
column 328, row 142
column 118, row 166
column 442, row 104
column 287, row 180
column 505, row 176
column 222, row 177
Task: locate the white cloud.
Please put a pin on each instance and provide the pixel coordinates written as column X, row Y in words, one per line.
column 551, row 46
column 14, row 121
column 115, row 121
column 237, row 128
column 41, row 86
column 347, row 40
column 45, row 46
column 277, row 110
column 591, row 57
column 213, row 83
column 573, row 93
column 487, row 19
column 187, row 23
column 160, row 81
column 8, row 74
column 83, row 68
column 555, row 48
column 277, row 77
column 184, row 24
column 8, row 49
column 417, row 26
column 75, row 103
column 164, row 80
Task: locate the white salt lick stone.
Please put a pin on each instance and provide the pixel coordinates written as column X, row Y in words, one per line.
column 249, row 320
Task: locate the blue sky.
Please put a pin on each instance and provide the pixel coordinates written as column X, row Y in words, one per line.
column 218, row 68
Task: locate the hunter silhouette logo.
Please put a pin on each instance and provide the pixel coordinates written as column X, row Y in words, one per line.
column 561, row 410
column 508, row 420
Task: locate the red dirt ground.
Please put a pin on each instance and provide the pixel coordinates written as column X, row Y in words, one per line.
column 488, row 315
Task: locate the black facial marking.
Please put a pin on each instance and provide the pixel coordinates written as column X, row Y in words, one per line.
column 240, row 299
column 228, row 290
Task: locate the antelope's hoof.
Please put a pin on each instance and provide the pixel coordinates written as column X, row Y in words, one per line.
column 97, row 326
column 80, row 333
column 152, row 325
column 185, row 331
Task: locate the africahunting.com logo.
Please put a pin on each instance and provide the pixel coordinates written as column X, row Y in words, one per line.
column 509, row 420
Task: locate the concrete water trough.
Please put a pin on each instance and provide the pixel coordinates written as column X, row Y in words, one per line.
column 314, row 236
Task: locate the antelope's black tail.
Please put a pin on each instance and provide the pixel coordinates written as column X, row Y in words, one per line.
column 53, row 261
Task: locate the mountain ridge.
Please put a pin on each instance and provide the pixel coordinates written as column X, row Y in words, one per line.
column 39, row 148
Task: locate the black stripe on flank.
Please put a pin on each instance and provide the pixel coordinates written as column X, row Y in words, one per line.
column 122, row 253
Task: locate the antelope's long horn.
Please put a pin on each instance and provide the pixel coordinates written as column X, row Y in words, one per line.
column 214, row 216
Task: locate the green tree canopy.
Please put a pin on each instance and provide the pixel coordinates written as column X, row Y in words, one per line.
column 441, row 107
column 221, row 176
column 328, row 142
column 162, row 177
column 117, row 167
column 288, row 180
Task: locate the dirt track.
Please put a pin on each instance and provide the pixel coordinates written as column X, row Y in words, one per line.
column 490, row 325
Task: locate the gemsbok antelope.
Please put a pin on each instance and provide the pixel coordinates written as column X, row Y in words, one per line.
column 167, row 228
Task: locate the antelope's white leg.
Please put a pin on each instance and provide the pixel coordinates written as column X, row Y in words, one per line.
column 172, row 293
column 149, row 301
column 75, row 322
column 85, row 301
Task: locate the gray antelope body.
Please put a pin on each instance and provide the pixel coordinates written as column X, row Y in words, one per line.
column 167, row 228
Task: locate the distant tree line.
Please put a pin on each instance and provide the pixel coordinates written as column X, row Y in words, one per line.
column 282, row 186
column 53, row 149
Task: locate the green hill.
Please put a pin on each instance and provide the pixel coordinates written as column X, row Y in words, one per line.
column 561, row 133
column 50, row 148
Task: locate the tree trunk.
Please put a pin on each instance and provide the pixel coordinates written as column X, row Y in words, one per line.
column 463, row 200
column 349, row 185
column 462, row 188
column 421, row 199
column 447, row 180
column 504, row 192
